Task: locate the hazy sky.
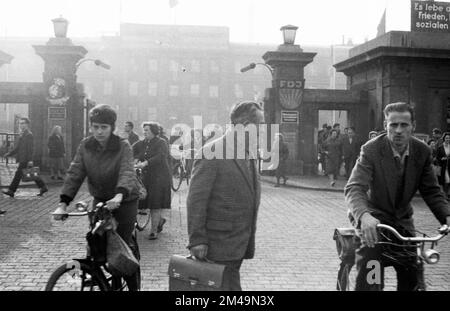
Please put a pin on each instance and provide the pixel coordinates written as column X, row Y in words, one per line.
column 258, row 21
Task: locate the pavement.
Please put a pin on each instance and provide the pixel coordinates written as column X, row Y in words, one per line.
column 294, row 245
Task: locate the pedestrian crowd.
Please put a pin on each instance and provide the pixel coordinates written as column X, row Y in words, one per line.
column 224, row 194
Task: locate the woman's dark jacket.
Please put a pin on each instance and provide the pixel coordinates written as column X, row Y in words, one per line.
column 440, row 153
column 156, row 175
column 109, row 171
column 56, row 146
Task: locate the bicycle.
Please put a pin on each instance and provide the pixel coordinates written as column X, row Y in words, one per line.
column 92, row 271
column 347, row 242
column 181, row 170
column 143, row 215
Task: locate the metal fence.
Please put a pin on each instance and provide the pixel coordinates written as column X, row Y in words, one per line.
column 7, row 141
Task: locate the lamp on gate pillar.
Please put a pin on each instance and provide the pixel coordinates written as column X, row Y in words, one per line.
column 283, row 103
column 60, row 26
column 289, row 32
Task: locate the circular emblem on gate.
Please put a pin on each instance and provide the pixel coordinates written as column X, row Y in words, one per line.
column 57, row 92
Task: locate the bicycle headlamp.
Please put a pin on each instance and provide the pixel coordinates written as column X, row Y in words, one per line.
column 431, row 256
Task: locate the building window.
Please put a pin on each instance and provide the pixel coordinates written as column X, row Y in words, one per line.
column 214, row 91
column 132, row 113
column 107, row 87
column 238, row 91
column 133, row 64
column 214, row 67
column 133, row 88
column 195, row 66
column 173, row 66
column 173, row 90
column 152, row 88
column 153, row 65
column 195, row 89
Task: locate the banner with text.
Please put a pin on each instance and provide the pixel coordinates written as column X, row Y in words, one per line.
column 430, row 16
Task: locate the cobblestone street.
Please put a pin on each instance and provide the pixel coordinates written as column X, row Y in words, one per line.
column 295, row 249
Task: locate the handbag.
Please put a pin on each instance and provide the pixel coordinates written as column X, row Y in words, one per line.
column 189, row 274
column 30, row 174
column 141, row 189
column 119, row 257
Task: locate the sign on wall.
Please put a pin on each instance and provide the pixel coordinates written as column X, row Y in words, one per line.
column 430, row 16
column 290, row 93
column 289, row 117
column 57, row 113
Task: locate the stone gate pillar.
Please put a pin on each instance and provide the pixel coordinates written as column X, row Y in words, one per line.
column 284, row 104
column 64, row 103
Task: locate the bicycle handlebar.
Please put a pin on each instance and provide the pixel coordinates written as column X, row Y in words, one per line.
column 443, row 231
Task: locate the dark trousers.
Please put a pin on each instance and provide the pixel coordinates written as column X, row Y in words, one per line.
column 232, row 277
column 18, row 176
column 349, row 164
column 410, row 273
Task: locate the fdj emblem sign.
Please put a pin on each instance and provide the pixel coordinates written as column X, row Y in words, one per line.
column 430, row 16
column 57, row 92
column 290, row 93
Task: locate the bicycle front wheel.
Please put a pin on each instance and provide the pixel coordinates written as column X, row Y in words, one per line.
column 75, row 276
column 177, row 178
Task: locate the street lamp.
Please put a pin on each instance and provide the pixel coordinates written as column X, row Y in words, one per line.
column 253, row 65
column 60, row 26
column 96, row 62
column 289, row 32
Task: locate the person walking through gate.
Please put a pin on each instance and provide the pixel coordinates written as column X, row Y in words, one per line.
column 56, row 152
column 24, row 151
column 333, row 151
column 390, row 170
column 350, row 150
column 223, row 198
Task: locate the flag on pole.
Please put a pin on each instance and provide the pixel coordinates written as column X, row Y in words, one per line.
column 173, row 3
column 381, row 30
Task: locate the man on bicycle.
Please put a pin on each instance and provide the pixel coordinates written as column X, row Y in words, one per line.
column 390, row 170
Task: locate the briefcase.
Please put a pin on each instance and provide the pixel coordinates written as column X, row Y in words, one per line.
column 30, row 174
column 188, row 274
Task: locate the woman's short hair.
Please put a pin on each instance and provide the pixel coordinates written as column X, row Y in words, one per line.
column 445, row 134
column 103, row 114
column 154, row 127
column 55, row 129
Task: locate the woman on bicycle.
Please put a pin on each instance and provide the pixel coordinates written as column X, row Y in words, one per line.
column 107, row 162
column 151, row 156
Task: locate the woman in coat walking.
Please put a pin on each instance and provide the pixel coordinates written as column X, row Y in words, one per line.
column 56, row 152
column 443, row 158
column 107, row 162
column 283, row 154
column 333, row 151
column 151, row 156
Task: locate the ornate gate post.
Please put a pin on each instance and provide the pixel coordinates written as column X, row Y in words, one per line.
column 64, row 102
column 284, row 104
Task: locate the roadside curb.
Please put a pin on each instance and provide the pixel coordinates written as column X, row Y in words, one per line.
column 266, row 180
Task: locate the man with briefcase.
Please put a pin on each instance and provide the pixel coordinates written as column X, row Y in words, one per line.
column 23, row 150
column 223, row 200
